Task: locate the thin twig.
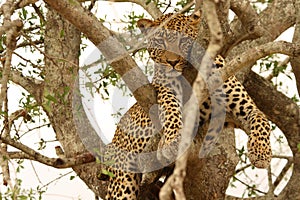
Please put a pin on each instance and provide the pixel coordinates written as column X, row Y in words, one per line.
column 248, row 186
column 282, row 63
column 283, row 172
column 63, row 175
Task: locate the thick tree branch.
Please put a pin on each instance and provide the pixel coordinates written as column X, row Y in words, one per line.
column 247, row 16
column 59, row 78
column 276, row 18
column 246, row 26
column 252, row 55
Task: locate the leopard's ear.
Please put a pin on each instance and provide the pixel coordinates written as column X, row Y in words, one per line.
column 145, row 24
column 195, row 18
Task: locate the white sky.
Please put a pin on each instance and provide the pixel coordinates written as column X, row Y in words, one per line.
column 35, row 174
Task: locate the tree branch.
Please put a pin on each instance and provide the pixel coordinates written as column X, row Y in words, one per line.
column 268, row 19
column 247, row 16
column 28, row 153
column 11, row 35
column 10, row 24
column 150, row 7
column 246, row 26
column 283, row 172
column 117, row 56
column 252, row 55
column 31, row 85
column 19, row 4
column 295, row 61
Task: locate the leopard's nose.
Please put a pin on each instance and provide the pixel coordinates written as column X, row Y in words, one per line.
column 173, row 63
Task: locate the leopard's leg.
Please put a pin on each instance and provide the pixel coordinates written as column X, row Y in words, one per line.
column 123, row 185
column 171, row 120
column 248, row 116
column 120, row 169
column 122, row 155
column 253, row 121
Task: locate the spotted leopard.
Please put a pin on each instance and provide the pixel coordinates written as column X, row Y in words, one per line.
column 170, row 39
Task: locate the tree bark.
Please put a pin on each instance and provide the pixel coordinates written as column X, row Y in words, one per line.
column 208, row 178
column 62, row 43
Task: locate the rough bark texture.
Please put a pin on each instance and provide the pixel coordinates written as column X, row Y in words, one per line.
column 208, row 178
column 60, row 78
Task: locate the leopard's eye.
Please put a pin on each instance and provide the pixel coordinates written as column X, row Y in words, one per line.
column 185, row 44
column 185, row 40
column 158, row 43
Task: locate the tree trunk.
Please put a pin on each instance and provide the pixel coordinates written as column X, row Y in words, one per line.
column 62, row 46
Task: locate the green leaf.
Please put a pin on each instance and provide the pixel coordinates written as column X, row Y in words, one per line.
column 298, row 146
column 72, row 177
column 51, row 98
column 24, row 13
column 295, row 98
column 22, row 197
column 103, row 171
column 62, row 33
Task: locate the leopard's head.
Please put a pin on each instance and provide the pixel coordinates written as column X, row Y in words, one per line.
column 170, row 39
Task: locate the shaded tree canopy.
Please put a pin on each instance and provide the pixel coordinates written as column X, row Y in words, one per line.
column 40, row 50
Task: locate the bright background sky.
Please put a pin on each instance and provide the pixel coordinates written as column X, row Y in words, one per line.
column 35, row 174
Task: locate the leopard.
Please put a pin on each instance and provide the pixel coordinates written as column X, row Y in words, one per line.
column 170, row 39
